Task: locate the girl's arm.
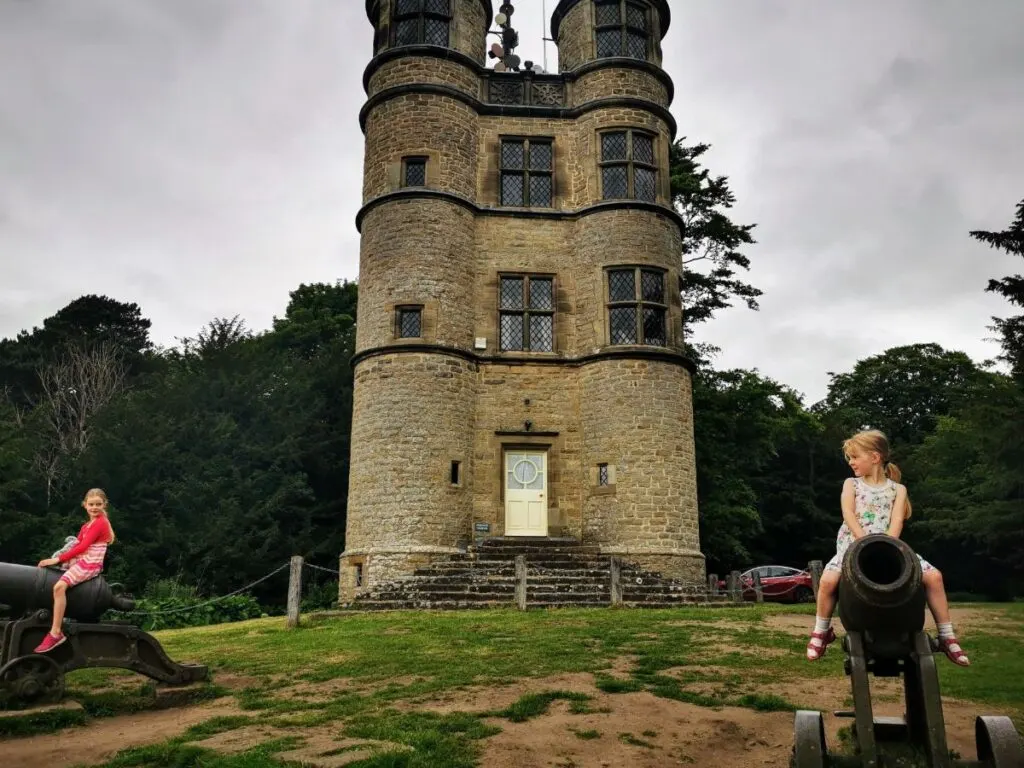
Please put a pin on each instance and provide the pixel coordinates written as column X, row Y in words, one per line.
column 97, row 529
column 899, row 512
column 849, row 504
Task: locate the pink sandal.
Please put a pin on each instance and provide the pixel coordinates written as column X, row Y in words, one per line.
column 953, row 651
column 819, row 643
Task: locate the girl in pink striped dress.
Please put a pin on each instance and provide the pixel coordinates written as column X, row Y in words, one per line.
column 84, row 560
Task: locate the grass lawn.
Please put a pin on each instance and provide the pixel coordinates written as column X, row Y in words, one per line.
column 364, row 675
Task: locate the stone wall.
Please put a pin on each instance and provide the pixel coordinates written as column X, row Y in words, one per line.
column 636, row 417
column 412, row 416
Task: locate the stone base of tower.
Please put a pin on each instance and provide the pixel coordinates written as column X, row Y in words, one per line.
column 364, row 569
column 681, row 564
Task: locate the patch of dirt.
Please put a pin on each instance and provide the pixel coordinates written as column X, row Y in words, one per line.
column 669, row 732
column 964, row 620
column 479, row 698
column 322, row 748
column 102, row 738
column 745, row 650
column 329, row 690
column 234, row 681
column 622, row 667
column 727, row 624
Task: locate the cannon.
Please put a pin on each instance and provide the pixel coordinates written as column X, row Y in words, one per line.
column 27, row 678
column 882, row 605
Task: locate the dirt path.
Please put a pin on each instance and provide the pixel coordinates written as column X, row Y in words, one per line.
column 104, row 737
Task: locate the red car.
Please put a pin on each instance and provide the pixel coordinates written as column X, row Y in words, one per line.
column 779, row 584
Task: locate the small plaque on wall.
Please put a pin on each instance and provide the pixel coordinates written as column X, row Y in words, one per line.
column 482, row 527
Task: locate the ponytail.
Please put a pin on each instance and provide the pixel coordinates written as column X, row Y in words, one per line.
column 893, row 473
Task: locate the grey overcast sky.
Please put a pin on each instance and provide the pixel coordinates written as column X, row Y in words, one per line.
column 203, row 158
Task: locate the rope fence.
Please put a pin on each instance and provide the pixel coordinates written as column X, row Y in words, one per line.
column 295, row 566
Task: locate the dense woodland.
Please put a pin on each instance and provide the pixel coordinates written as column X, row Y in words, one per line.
column 227, row 454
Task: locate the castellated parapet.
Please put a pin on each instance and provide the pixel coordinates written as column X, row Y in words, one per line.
column 519, row 364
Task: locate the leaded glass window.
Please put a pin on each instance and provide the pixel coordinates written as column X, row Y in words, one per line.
column 629, row 168
column 526, row 313
column 409, row 322
column 637, row 308
column 417, row 22
column 622, row 28
column 414, row 172
column 527, row 169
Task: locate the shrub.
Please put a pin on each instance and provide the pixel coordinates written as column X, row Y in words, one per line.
column 193, row 611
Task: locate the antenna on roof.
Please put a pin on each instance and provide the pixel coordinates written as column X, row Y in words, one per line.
column 544, row 31
column 505, row 50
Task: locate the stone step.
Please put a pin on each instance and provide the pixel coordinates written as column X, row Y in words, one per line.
column 449, row 577
column 590, row 574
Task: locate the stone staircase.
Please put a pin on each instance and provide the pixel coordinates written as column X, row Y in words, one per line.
column 559, row 573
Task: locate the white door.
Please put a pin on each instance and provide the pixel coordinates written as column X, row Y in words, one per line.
column 526, row 481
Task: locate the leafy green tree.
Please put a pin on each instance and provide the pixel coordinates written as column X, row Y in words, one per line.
column 86, row 323
column 712, row 243
column 17, row 521
column 970, row 495
column 1011, row 288
column 902, row 391
column 741, row 423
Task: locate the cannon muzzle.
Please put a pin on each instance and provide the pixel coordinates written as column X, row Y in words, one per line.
column 880, row 591
column 26, row 588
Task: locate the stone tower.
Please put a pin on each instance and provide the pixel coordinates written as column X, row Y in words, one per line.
column 519, row 365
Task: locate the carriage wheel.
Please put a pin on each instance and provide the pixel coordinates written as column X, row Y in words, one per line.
column 998, row 742
column 809, row 745
column 34, row 679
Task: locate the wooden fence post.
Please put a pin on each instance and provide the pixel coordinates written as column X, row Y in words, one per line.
column 294, row 591
column 616, row 572
column 815, row 567
column 735, row 587
column 521, row 582
column 758, row 589
column 713, row 583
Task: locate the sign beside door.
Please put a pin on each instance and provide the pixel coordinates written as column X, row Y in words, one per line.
column 526, row 486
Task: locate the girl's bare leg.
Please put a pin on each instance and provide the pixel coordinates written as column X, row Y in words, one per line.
column 827, row 587
column 938, row 603
column 60, row 604
column 823, row 633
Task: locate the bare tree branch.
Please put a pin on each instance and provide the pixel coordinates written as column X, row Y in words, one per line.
column 76, row 386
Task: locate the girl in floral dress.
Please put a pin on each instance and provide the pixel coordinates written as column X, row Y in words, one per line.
column 874, row 501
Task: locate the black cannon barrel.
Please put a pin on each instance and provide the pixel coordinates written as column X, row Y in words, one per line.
column 880, row 590
column 26, row 588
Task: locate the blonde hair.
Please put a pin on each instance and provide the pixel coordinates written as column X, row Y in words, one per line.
column 101, row 494
column 873, row 440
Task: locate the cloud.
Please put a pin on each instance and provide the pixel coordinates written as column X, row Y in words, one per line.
column 203, row 158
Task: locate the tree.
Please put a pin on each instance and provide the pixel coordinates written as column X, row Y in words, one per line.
column 76, row 387
column 902, row 392
column 1011, row 288
column 712, row 242
column 741, row 422
column 16, row 522
column 89, row 320
column 971, row 491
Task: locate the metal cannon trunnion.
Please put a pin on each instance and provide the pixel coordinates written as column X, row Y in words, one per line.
column 882, row 604
column 28, row 678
